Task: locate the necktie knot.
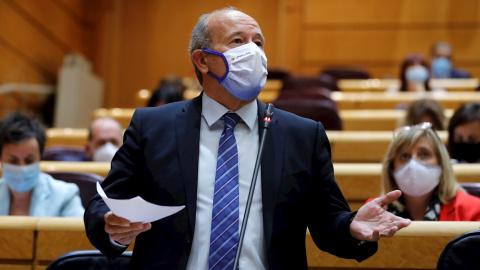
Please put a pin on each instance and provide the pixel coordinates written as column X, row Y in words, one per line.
column 231, row 120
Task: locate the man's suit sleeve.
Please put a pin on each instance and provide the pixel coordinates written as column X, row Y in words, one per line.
column 329, row 221
column 126, row 170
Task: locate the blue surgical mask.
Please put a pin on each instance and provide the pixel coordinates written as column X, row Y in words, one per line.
column 442, row 67
column 417, row 74
column 246, row 70
column 21, row 178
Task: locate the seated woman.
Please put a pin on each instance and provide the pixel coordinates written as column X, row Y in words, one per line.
column 414, row 75
column 24, row 190
column 417, row 163
column 464, row 133
column 424, row 110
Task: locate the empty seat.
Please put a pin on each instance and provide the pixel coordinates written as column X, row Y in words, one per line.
column 471, row 188
column 463, row 252
column 333, row 74
column 64, row 153
column 324, row 111
column 299, row 83
column 89, row 259
column 86, row 183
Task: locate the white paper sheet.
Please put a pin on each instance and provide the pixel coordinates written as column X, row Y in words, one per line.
column 137, row 209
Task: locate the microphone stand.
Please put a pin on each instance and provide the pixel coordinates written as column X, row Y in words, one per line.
column 266, row 125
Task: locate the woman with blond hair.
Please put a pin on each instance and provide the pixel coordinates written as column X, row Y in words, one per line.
column 417, row 163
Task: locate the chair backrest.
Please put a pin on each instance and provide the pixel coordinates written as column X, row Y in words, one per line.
column 298, row 83
column 463, row 252
column 472, row 188
column 86, row 183
column 89, row 260
column 64, row 153
column 324, row 111
column 347, row 72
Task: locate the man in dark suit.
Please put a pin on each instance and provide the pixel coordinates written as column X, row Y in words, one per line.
column 169, row 157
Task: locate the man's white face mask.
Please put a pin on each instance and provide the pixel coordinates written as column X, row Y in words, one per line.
column 105, row 153
column 246, row 70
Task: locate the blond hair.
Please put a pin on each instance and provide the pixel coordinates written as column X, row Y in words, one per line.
column 448, row 185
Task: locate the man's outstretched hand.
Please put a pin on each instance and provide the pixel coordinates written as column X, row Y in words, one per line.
column 373, row 221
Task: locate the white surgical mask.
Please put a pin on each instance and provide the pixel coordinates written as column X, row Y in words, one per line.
column 21, row 178
column 417, row 179
column 246, row 70
column 417, row 73
column 105, row 153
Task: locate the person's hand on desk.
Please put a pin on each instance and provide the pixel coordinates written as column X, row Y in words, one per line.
column 121, row 230
column 373, row 221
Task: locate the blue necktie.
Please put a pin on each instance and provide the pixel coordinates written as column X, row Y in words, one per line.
column 225, row 223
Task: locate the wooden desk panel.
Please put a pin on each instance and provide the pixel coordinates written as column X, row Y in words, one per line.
column 17, row 237
column 375, row 120
column 415, row 247
column 362, row 146
column 100, row 168
column 66, row 136
column 380, row 85
column 388, row 101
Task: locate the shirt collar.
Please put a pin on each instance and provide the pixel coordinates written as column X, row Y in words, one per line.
column 213, row 111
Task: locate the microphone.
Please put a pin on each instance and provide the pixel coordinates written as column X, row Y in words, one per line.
column 266, row 125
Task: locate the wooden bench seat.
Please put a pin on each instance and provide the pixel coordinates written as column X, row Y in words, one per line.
column 17, row 238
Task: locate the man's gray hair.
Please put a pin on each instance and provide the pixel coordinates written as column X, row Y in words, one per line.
column 201, row 37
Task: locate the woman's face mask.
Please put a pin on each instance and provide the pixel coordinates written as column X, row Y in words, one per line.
column 21, row 178
column 246, row 70
column 416, row 178
column 417, row 73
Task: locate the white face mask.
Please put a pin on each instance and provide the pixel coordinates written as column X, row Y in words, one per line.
column 246, row 70
column 105, row 153
column 417, row 179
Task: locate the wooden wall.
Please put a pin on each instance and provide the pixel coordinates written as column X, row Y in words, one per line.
column 378, row 34
column 132, row 44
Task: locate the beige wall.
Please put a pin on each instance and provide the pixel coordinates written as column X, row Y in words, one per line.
column 132, row 44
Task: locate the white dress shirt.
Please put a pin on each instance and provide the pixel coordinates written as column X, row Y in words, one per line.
column 246, row 132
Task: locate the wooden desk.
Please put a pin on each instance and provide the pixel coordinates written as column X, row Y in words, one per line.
column 361, row 181
column 380, row 100
column 66, row 136
column 380, row 85
column 367, row 120
column 17, row 239
column 362, row 146
column 100, row 168
column 56, row 236
column 415, row 247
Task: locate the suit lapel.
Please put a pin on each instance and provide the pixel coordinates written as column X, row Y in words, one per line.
column 187, row 128
column 271, row 169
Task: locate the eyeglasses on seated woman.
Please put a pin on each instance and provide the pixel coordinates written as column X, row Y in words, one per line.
column 24, row 190
column 418, row 164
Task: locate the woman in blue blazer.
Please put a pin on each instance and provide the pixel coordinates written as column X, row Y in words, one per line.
column 24, row 190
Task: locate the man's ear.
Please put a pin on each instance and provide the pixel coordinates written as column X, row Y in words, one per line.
column 200, row 61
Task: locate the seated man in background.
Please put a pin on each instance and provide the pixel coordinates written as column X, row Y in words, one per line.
column 24, row 190
column 104, row 139
column 441, row 57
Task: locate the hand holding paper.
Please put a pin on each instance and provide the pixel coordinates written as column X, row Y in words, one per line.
column 137, row 209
